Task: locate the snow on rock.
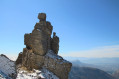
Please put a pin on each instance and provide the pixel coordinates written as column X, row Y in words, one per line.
column 4, row 76
column 7, row 66
column 51, row 54
column 48, row 74
column 57, row 65
column 35, row 74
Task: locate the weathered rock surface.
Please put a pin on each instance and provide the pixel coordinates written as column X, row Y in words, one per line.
column 55, row 43
column 39, row 39
column 31, row 60
column 57, row 65
column 19, row 59
column 41, row 50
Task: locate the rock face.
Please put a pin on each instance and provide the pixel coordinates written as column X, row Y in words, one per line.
column 41, row 50
column 19, row 59
column 55, row 43
column 39, row 39
column 57, row 65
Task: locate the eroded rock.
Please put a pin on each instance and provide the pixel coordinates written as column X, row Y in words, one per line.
column 55, row 43
column 41, row 50
column 57, row 65
column 19, row 59
column 39, row 39
column 31, row 60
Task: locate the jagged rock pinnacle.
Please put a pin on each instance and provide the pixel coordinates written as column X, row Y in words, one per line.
column 42, row 50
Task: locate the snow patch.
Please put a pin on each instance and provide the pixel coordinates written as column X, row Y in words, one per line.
column 51, row 54
column 3, row 76
column 36, row 74
column 48, row 74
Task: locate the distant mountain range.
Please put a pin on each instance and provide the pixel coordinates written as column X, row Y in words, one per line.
column 88, row 73
column 110, row 65
column 91, row 68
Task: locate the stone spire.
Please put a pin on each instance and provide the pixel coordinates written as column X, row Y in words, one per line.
column 39, row 39
column 42, row 49
column 55, row 43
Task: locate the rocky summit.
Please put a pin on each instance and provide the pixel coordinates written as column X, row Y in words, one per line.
column 41, row 50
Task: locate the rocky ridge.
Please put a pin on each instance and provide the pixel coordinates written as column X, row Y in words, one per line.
column 41, row 50
column 7, row 68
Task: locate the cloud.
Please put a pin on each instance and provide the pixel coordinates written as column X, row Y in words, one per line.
column 105, row 51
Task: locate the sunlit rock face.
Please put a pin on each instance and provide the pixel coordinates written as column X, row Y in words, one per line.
column 42, row 50
column 39, row 39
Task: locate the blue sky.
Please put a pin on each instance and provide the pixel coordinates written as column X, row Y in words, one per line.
column 82, row 25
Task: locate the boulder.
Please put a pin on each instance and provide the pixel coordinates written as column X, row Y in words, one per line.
column 42, row 16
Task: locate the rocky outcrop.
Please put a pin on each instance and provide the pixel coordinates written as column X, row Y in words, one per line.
column 57, row 65
column 55, row 43
column 42, row 50
column 31, row 60
column 39, row 39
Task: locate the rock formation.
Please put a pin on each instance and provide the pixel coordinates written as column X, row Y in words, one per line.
column 55, row 43
column 39, row 39
column 41, row 50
